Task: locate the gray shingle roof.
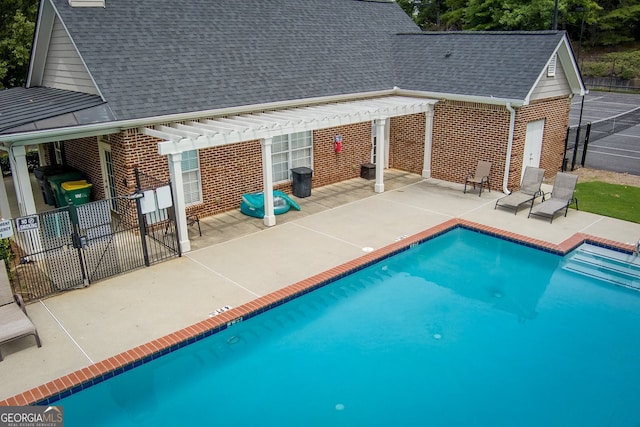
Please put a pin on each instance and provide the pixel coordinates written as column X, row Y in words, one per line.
column 40, row 107
column 156, row 57
column 499, row 64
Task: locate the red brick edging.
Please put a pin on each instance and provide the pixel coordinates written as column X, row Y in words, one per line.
column 85, row 377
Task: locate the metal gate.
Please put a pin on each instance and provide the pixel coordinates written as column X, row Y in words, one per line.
column 74, row 246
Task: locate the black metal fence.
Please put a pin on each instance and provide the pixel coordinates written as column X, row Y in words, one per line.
column 575, row 146
column 578, row 137
column 74, row 246
column 603, row 128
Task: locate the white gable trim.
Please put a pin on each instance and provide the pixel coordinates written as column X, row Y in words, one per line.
column 194, row 135
column 44, row 27
column 74, row 74
column 563, row 54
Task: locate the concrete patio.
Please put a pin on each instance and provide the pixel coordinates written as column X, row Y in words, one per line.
column 238, row 259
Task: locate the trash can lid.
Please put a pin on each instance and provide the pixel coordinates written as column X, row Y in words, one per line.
column 302, row 170
column 76, row 185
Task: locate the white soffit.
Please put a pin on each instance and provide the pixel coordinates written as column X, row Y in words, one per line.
column 193, row 135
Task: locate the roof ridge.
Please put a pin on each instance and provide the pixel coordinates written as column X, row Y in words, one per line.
column 468, row 32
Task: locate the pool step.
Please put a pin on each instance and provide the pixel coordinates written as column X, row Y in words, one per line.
column 605, row 264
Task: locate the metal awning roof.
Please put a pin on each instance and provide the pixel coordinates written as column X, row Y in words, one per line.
column 205, row 133
column 26, row 109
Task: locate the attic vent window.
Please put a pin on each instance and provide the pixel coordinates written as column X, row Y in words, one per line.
column 551, row 69
column 86, row 3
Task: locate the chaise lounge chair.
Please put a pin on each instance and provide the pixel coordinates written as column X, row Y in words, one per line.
column 14, row 322
column 480, row 177
column 529, row 190
column 564, row 187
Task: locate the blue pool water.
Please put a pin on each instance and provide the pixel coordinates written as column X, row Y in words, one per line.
column 463, row 330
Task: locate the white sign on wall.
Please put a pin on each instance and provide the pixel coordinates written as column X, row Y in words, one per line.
column 6, row 229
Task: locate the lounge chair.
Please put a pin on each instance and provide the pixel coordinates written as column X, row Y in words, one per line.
column 14, row 322
column 564, row 187
column 529, row 190
column 480, row 177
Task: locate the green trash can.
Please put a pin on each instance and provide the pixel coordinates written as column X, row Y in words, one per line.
column 77, row 192
column 55, row 182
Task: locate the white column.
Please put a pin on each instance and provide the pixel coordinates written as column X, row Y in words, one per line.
column 177, row 188
column 5, row 208
column 267, row 176
column 428, row 143
column 42, row 154
column 381, row 148
column 21, row 180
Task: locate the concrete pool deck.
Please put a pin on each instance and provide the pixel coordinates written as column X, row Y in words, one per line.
column 238, row 260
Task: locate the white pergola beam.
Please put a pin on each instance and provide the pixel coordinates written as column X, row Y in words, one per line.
column 245, row 127
column 160, row 135
column 172, row 130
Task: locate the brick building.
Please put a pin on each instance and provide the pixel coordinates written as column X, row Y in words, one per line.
column 225, row 98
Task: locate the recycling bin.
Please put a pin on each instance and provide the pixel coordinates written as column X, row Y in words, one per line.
column 55, row 182
column 77, row 192
column 301, row 186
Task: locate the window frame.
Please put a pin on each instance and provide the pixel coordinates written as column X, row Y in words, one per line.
column 289, row 154
column 189, row 181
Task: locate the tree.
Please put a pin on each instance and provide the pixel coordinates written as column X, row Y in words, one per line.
column 454, row 16
column 619, row 22
column 599, row 21
column 17, row 24
column 426, row 13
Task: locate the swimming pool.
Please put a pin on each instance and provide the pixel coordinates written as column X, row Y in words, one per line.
column 464, row 329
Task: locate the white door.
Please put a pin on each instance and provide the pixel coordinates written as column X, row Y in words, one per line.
column 108, row 179
column 533, row 144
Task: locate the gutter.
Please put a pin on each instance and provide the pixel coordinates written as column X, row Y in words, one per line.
column 507, row 162
column 55, row 134
column 508, row 104
column 465, row 98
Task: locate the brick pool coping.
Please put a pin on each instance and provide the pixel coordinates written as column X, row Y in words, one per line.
column 115, row 365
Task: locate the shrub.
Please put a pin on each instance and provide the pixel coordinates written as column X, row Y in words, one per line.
column 624, row 65
column 596, row 69
column 32, row 157
column 5, row 252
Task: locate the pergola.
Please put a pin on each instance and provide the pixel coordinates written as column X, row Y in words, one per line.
column 263, row 126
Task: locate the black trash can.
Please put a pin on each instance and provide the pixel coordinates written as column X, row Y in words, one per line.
column 42, row 174
column 368, row 171
column 301, row 186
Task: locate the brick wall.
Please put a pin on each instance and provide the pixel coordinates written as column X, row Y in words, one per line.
column 330, row 167
column 555, row 113
column 83, row 155
column 406, row 136
column 467, row 132
column 463, row 134
column 228, row 172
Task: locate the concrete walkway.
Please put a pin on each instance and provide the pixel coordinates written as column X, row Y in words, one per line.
column 238, row 259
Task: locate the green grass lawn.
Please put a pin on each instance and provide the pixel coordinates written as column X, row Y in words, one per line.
column 612, row 200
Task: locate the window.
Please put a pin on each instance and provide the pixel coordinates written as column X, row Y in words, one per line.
column 191, row 177
column 58, row 156
column 291, row 151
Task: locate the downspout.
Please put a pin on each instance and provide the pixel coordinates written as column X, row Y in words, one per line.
column 507, row 163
